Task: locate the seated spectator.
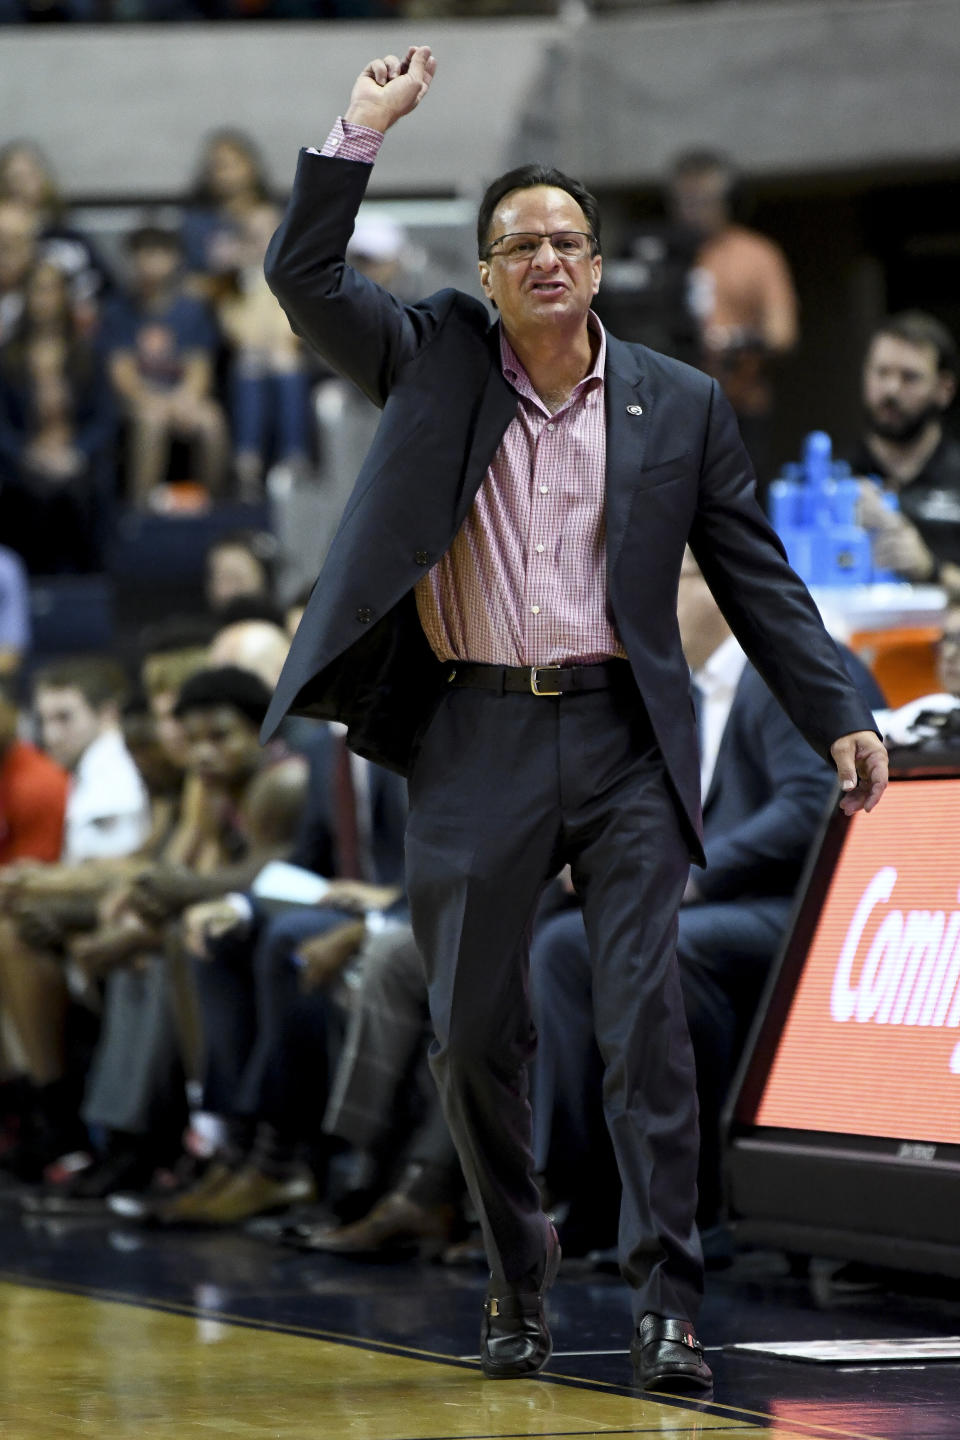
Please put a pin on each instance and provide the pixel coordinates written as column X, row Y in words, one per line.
column 257, row 645
column 249, row 811
column 254, row 796
column 239, row 564
column 77, row 703
column 57, row 434
column 248, row 985
column 18, row 254
column 909, row 381
column 161, row 346
column 107, row 816
column 26, row 175
column 383, row 1100
column 764, row 794
column 33, row 793
column 226, row 232
column 15, row 629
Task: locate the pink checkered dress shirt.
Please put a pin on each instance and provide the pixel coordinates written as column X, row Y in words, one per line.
column 525, row 580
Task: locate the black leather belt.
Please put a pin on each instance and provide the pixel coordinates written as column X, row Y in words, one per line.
column 536, row 679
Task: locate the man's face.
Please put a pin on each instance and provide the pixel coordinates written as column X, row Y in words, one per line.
column 546, row 290
column 903, row 388
column 222, row 744
column 154, row 266
column 150, row 757
column 68, row 724
column 948, row 653
column 231, row 572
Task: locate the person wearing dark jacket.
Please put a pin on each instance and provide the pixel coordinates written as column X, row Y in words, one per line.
column 57, row 431
column 497, row 617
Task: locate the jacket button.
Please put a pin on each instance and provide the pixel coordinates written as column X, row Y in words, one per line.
column 364, row 614
column 422, row 557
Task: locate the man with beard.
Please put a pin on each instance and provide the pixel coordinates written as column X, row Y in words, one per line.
column 909, row 381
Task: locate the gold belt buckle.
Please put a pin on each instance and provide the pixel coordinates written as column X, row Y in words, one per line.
column 535, row 679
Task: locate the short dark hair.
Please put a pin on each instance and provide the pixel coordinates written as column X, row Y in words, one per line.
column 100, row 680
column 153, row 237
column 702, row 162
column 228, row 685
column 249, row 607
column 915, row 327
column 176, row 632
column 526, row 177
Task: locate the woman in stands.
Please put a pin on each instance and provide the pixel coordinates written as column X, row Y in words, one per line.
column 225, row 236
column 57, row 434
column 26, row 175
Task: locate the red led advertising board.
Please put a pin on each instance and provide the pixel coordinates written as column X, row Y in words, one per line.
column 871, row 1043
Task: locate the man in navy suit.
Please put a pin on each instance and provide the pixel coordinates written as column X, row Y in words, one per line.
column 764, row 796
column 497, row 619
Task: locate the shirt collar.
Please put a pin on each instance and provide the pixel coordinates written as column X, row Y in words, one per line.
column 514, row 372
column 723, row 670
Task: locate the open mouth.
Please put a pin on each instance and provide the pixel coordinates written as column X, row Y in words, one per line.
column 548, row 287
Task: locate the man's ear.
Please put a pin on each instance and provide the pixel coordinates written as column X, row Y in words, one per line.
column 597, row 272
column 484, row 268
column 946, row 389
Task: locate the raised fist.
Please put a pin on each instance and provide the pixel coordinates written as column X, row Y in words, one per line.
column 389, row 88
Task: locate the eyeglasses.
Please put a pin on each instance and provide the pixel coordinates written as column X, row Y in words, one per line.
column 568, row 244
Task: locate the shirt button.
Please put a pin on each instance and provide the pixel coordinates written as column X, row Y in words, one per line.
column 535, row 609
column 550, row 427
column 544, row 489
column 539, row 549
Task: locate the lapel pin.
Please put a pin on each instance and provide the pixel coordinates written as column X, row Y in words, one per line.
column 634, row 409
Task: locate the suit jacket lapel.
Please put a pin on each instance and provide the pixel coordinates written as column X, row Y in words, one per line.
column 626, row 438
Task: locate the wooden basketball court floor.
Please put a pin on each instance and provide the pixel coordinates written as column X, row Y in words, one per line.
column 119, row 1334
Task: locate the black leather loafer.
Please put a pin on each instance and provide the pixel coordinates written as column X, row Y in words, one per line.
column 667, row 1356
column 514, row 1340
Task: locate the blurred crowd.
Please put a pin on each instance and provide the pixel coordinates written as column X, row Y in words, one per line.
column 100, row 11
column 181, row 365
column 212, row 1011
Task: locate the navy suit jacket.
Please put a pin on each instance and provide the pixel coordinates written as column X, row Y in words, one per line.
column 767, row 794
column 315, row 847
column 676, row 471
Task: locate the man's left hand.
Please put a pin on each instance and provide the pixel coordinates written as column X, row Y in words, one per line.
column 862, row 768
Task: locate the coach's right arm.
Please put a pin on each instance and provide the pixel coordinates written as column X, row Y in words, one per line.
column 361, row 330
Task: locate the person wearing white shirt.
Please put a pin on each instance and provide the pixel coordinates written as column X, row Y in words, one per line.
column 108, row 809
column 76, row 704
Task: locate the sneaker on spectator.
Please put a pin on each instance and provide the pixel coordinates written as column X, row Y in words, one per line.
column 85, row 1190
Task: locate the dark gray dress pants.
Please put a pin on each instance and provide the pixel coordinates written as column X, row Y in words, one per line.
column 504, row 790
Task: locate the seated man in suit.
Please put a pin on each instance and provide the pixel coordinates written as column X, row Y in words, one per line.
column 764, row 792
